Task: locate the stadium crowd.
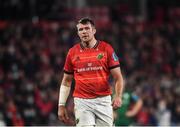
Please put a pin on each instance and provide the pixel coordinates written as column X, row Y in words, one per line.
column 32, row 55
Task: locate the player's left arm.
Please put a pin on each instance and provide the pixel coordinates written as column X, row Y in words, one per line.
column 136, row 108
column 119, row 86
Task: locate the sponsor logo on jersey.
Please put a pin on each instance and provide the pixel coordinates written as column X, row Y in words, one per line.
column 115, row 57
column 89, row 64
column 90, row 69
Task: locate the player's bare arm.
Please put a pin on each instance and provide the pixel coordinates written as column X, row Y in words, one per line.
column 63, row 95
column 116, row 73
column 136, row 108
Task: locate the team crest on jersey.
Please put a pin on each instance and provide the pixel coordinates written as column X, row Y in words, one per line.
column 115, row 57
column 100, row 56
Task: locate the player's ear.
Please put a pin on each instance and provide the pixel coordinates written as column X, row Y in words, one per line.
column 94, row 30
column 77, row 30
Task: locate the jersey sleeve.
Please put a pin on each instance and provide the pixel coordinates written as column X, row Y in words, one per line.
column 113, row 60
column 134, row 97
column 68, row 67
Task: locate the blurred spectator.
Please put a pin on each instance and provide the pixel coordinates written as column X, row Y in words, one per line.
column 163, row 114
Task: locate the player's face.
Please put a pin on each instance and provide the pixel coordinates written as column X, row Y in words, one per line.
column 86, row 32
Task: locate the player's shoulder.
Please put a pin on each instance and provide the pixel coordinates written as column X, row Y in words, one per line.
column 75, row 47
column 105, row 44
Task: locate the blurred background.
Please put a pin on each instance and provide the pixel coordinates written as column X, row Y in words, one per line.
column 35, row 36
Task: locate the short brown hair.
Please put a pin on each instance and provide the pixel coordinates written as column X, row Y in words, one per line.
column 86, row 20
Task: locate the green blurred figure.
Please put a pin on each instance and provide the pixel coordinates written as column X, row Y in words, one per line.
column 131, row 105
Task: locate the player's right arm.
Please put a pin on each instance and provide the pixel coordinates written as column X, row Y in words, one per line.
column 63, row 95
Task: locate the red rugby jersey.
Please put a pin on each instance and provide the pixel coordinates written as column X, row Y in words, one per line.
column 91, row 69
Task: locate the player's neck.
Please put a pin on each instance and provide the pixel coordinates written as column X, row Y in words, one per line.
column 90, row 44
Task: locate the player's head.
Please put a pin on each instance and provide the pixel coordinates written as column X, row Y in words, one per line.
column 86, row 20
column 86, row 29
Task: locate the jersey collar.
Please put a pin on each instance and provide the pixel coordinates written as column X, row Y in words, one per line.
column 94, row 47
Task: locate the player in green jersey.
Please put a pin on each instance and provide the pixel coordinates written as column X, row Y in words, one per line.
column 131, row 105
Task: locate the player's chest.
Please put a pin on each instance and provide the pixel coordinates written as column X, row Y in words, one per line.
column 89, row 59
